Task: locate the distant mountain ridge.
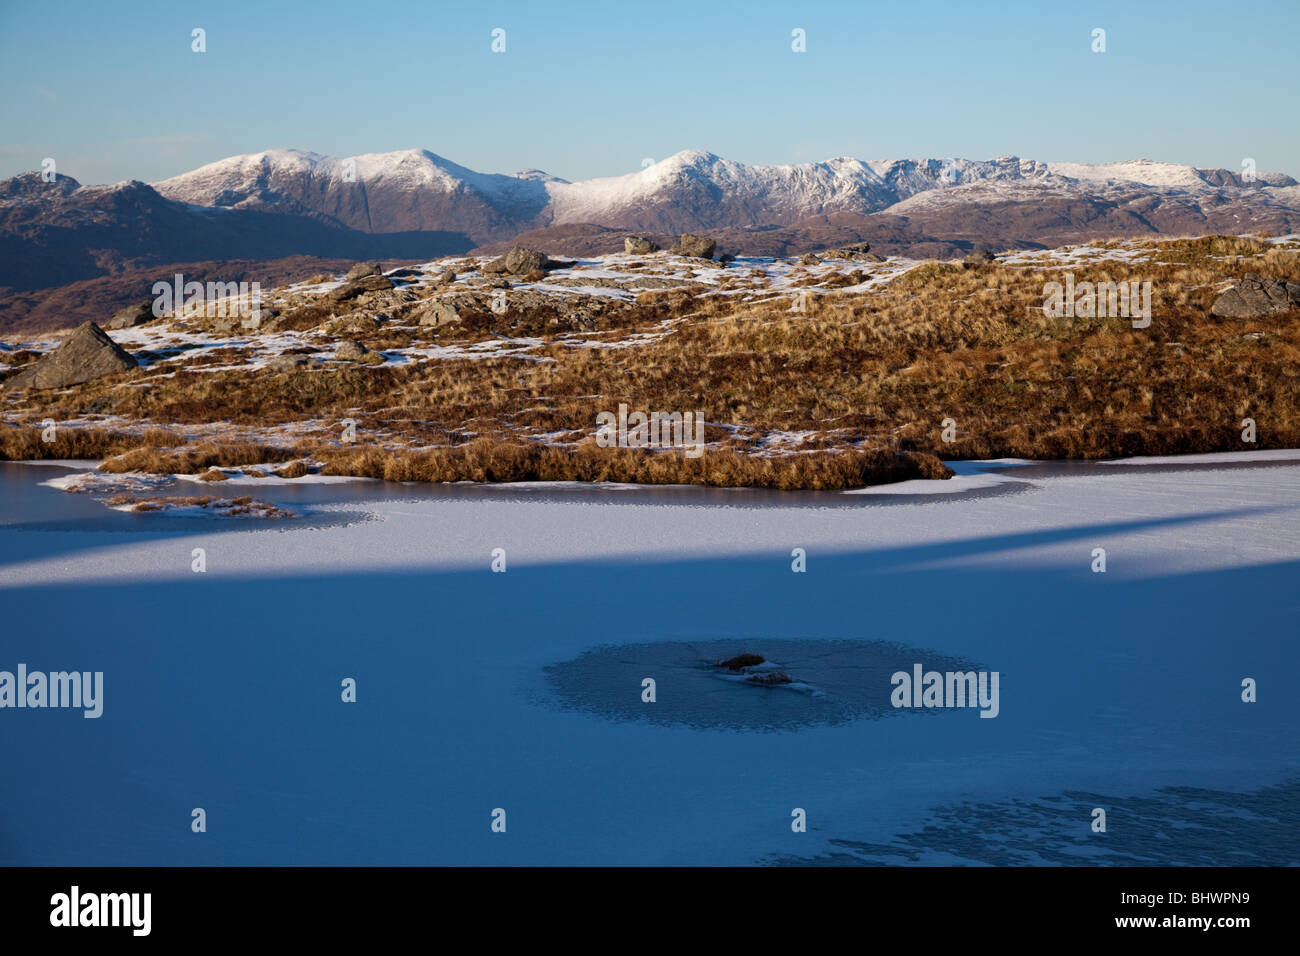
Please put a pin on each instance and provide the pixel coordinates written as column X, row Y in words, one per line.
column 415, row 205
column 414, row 190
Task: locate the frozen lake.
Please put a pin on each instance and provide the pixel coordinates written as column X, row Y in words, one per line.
column 478, row 690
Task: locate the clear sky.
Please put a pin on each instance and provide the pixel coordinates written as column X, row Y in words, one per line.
column 112, row 90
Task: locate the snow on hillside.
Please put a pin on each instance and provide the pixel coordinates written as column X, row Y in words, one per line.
column 1143, row 171
column 230, row 181
column 690, row 176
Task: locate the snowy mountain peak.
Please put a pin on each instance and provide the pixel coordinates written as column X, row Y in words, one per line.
column 691, row 190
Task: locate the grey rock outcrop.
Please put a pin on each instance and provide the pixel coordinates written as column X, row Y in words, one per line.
column 639, row 245
column 290, row 363
column 85, row 355
column 440, row 312
column 363, row 269
column 356, row 352
column 132, row 315
column 518, row 261
column 854, row 251
column 1254, row 297
column 697, row 247
column 350, row 290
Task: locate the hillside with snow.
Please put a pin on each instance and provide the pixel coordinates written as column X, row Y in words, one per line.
column 690, row 190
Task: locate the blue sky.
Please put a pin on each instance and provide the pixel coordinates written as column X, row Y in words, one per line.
column 113, row 91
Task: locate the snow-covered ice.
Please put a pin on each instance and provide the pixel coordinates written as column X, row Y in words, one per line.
column 222, row 688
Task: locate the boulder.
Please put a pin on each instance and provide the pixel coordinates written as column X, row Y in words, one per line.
column 855, row 251
column 85, row 355
column 289, row 363
column 518, row 261
column 363, row 269
column 439, row 313
column 350, row 290
column 356, row 352
column 354, row 324
column 977, row 257
column 697, row 247
column 132, row 316
column 639, row 245
column 1254, row 297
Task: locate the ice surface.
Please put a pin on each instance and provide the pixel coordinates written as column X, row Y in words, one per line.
column 1119, row 689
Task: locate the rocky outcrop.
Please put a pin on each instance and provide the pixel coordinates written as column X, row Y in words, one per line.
column 440, row 312
column 132, row 316
column 518, row 261
column 854, row 251
column 697, row 247
column 363, row 269
column 292, row 362
column 350, row 290
column 85, row 355
column 356, row 352
column 1254, row 297
column 639, row 245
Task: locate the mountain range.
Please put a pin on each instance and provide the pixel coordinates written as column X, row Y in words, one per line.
column 296, row 206
column 416, row 190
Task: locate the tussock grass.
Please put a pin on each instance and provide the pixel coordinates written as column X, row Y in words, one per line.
column 24, row 442
column 488, row 460
column 193, row 459
column 867, row 377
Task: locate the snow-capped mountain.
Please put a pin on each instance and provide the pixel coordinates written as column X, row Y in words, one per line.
column 406, row 191
column 416, row 190
column 414, row 205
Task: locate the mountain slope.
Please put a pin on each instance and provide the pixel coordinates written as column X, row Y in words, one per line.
column 416, row 190
column 60, row 232
column 414, row 205
column 407, row 191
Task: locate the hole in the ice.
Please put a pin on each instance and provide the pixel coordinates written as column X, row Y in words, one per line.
column 749, row 684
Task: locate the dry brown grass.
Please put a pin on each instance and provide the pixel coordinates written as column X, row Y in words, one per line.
column 488, row 460
column 193, row 458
